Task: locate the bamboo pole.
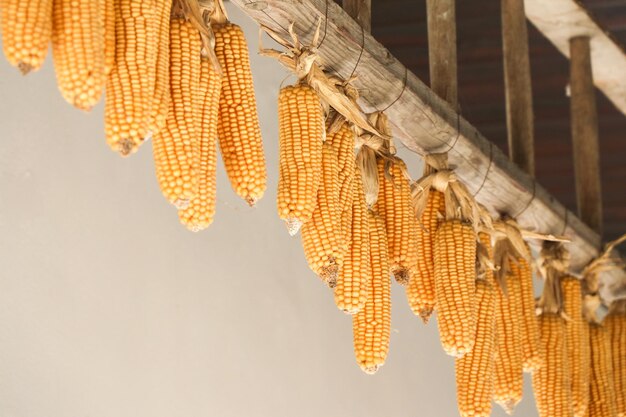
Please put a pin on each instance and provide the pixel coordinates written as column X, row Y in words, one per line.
column 441, row 17
column 518, row 87
column 361, row 11
column 585, row 134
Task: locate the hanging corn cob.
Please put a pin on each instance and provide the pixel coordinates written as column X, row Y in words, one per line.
column 129, row 86
column 509, row 378
column 78, row 42
column 238, row 128
column 615, row 324
column 519, row 267
column 173, row 145
column 552, row 381
column 602, row 390
column 421, row 289
column 199, row 214
column 26, row 32
column 356, row 271
column 301, row 134
column 321, row 235
column 371, row 325
column 475, row 370
column 577, row 335
column 394, row 205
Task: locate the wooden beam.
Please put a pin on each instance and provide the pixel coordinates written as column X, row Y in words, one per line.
column 361, row 11
column 518, row 86
column 441, row 18
column 584, row 118
column 424, row 122
column 561, row 20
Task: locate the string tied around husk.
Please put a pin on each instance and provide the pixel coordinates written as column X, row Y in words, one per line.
column 553, row 265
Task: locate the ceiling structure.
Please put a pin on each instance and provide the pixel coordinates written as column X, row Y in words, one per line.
column 400, row 25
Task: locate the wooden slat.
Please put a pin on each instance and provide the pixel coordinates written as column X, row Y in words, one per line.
column 424, row 122
column 585, row 134
column 561, row 20
column 441, row 18
column 361, row 11
column 518, row 90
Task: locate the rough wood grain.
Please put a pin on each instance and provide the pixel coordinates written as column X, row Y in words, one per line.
column 441, row 18
column 585, row 134
column 560, row 20
column 424, row 122
column 361, row 11
column 518, row 86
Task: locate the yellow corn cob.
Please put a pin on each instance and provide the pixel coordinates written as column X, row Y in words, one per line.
column 616, row 327
column 107, row 9
column 372, row 324
column 199, row 214
column 173, row 146
column 602, row 391
column 551, row 382
column 474, row 371
column 238, row 127
column 421, row 289
column 301, row 134
column 509, row 372
column 159, row 71
column 129, row 87
column 78, row 50
column 577, row 335
column 321, row 236
column 394, row 205
column 26, row 32
column 455, row 287
column 343, row 143
column 354, row 274
column 532, row 352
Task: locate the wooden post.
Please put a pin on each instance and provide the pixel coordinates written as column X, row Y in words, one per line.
column 441, row 18
column 517, row 82
column 585, row 134
column 361, row 11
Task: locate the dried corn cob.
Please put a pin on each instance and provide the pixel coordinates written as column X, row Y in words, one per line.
column 354, row 274
column 173, row 145
column 238, row 127
column 394, row 205
column 321, row 236
column 107, row 9
column 199, row 214
column 475, row 370
column 455, row 287
column 159, row 71
column 371, row 325
column 26, row 32
column 509, row 376
column 343, row 143
column 301, row 134
column 129, row 87
column 551, row 382
column 615, row 323
column 421, row 289
column 532, row 352
column 577, row 335
column 602, row 391
column 78, row 43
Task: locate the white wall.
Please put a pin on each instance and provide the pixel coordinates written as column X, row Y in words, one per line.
column 108, row 307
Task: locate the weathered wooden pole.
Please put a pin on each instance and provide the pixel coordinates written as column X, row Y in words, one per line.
column 441, row 17
column 361, row 11
column 518, row 87
column 584, row 118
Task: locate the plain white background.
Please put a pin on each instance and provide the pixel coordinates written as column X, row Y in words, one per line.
column 109, row 307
